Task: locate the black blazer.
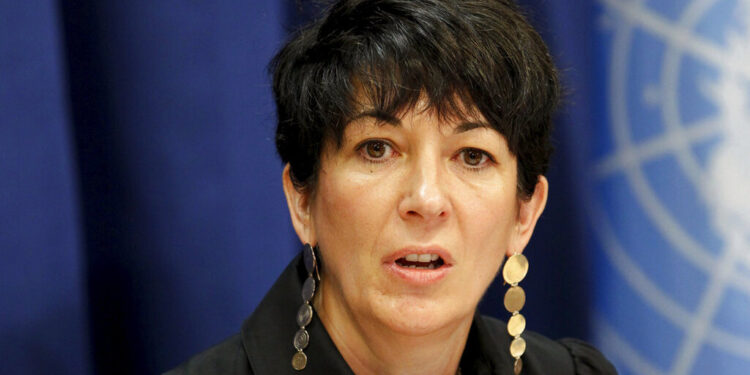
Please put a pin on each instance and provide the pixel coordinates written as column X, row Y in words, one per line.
column 264, row 345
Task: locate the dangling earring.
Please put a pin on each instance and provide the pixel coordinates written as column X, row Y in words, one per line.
column 305, row 312
column 514, row 271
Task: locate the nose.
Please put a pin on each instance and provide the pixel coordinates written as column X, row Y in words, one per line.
column 425, row 197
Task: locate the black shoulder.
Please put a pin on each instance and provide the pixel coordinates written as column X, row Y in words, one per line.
column 547, row 356
column 227, row 357
column 587, row 359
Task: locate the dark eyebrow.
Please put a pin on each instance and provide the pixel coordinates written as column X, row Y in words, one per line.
column 380, row 116
column 466, row 126
column 386, row 118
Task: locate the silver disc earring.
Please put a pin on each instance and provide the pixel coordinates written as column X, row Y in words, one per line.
column 305, row 312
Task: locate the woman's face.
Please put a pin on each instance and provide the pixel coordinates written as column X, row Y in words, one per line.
column 413, row 219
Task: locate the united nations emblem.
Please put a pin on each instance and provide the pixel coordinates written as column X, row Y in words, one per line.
column 671, row 187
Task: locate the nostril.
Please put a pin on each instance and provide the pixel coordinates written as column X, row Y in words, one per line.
column 412, row 213
column 417, row 207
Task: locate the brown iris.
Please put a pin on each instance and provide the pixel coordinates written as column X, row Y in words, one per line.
column 472, row 157
column 375, row 149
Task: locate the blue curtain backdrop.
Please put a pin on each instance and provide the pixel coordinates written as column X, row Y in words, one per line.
column 142, row 217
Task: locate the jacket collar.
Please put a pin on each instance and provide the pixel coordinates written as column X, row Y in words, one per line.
column 268, row 333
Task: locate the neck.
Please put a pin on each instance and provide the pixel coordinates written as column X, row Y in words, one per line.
column 371, row 348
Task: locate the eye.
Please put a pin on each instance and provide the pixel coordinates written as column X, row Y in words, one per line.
column 474, row 158
column 376, row 150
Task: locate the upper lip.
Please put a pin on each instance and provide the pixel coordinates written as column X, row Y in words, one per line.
column 427, row 249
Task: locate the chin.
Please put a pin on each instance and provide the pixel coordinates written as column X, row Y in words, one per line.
column 417, row 316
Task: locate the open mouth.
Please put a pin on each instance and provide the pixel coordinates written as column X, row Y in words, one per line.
column 421, row 261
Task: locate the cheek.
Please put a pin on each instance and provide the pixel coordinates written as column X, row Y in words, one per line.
column 487, row 230
column 344, row 204
column 349, row 213
column 489, row 214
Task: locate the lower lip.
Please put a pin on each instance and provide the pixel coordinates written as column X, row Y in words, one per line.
column 418, row 276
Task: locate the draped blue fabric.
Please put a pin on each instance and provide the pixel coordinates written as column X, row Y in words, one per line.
column 142, row 217
column 43, row 296
column 141, row 211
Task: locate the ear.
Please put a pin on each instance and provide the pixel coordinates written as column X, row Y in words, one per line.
column 299, row 209
column 528, row 214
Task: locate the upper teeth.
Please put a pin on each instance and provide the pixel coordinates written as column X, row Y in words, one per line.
column 422, row 257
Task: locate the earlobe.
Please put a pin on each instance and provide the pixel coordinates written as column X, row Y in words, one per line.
column 299, row 208
column 529, row 212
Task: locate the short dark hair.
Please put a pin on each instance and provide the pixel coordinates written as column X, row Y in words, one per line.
column 391, row 53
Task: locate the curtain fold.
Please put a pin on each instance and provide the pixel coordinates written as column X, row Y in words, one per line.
column 142, row 212
column 43, row 300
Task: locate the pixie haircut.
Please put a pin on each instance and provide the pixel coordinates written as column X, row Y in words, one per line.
column 459, row 56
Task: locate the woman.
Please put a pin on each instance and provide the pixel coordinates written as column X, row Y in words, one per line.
column 416, row 137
